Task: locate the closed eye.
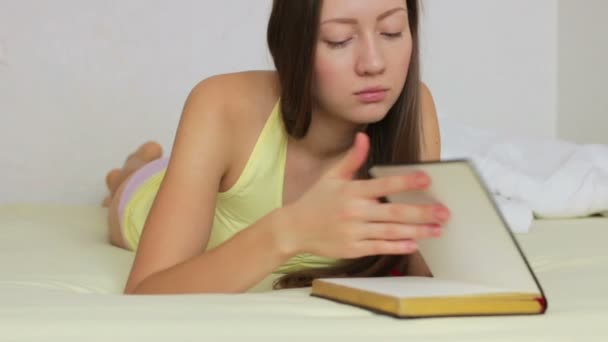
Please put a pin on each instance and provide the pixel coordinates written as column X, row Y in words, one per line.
column 343, row 43
column 339, row 44
column 393, row 35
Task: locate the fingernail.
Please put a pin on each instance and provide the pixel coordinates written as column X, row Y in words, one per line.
column 411, row 245
column 436, row 231
column 441, row 214
column 421, row 179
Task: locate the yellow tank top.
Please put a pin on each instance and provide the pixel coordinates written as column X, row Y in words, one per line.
column 258, row 191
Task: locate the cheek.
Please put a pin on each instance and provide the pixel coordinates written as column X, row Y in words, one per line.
column 402, row 62
column 405, row 64
column 397, row 72
column 328, row 71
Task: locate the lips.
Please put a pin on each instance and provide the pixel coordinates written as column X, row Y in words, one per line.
column 372, row 94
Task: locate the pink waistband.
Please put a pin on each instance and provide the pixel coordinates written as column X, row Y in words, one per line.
column 137, row 179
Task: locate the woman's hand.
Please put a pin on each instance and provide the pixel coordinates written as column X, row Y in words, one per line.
column 342, row 218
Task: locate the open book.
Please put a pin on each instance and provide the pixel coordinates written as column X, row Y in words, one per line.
column 477, row 265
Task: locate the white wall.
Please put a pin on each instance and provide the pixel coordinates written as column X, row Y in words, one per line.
column 83, row 83
column 87, row 81
column 583, row 71
column 493, row 63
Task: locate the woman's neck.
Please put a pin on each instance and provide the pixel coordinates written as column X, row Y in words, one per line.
column 328, row 137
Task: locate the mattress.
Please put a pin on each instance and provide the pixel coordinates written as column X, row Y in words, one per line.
column 61, row 280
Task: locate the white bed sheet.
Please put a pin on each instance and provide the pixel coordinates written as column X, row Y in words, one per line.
column 61, row 281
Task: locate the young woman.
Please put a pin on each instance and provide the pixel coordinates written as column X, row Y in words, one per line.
column 268, row 172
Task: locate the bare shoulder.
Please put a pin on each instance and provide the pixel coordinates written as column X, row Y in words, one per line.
column 240, row 104
column 242, row 96
column 237, row 101
column 431, row 147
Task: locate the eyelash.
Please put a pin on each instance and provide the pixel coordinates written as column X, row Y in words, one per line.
column 337, row 45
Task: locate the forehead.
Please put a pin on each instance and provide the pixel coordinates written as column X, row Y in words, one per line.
column 358, row 8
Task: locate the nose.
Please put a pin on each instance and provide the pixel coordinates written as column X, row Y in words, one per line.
column 370, row 60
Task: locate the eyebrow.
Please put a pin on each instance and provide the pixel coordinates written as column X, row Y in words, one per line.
column 354, row 21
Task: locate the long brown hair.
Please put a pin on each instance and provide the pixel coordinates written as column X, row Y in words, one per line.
column 292, row 34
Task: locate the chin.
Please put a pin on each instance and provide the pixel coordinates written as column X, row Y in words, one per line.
column 369, row 113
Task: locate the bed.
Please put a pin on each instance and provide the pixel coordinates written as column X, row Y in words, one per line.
column 61, row 280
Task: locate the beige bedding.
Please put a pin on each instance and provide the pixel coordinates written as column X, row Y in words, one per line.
column 60, row 280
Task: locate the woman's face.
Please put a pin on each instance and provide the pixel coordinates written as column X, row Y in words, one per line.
column 362, row 58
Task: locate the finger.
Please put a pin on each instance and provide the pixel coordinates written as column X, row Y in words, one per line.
column 348, row 166
column 405, row 213
column 391, row 231
column 390, row 185
column 383, row 247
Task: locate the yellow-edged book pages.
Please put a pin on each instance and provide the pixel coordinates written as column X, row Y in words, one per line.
column 477, row 265
column 427, row 297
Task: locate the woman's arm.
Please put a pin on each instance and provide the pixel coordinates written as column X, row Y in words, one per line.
column 169, row 258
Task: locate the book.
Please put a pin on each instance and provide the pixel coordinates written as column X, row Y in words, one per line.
column 477, row 265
